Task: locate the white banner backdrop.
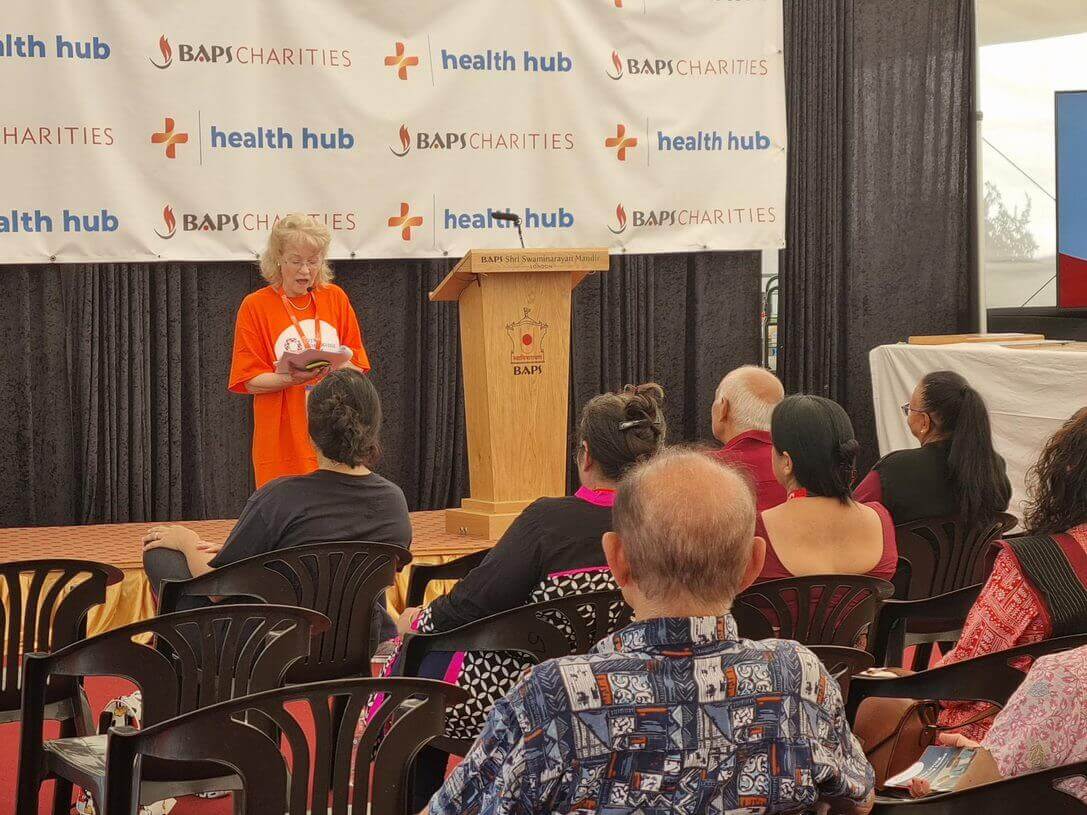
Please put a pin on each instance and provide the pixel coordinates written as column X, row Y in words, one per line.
column 135, row 131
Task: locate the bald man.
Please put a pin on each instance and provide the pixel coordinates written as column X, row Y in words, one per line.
column 740, row 415
column 674, row 713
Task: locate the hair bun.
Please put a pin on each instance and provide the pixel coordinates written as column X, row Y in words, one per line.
column 649, row 392
column 642, row 409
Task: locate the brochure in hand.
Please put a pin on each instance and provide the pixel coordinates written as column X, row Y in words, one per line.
column 311, row 359
column 940, row 766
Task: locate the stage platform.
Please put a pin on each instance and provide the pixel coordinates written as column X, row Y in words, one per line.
column 119, row 545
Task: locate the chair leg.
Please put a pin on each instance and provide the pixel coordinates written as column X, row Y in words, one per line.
column 62, row 796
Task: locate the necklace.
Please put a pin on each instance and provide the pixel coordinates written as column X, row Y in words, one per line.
column 299, row 308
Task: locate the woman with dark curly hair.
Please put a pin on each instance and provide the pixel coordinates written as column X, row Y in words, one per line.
column 1038, row 587
column 342, row 500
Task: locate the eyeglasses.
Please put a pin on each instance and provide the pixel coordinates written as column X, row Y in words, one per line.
column 297, row 263
column 906, row 410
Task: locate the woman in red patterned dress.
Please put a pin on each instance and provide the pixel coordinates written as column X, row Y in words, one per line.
column 1038, row 587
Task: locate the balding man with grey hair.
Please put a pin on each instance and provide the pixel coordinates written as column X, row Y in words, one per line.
column 740, row 416
column 674, row 713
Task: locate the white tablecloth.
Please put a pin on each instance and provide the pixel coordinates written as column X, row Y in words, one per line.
column 1029, row 394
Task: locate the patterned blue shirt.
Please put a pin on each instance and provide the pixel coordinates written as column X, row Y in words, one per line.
column 666, row 716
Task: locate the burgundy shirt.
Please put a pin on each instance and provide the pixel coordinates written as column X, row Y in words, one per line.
column 752, row 451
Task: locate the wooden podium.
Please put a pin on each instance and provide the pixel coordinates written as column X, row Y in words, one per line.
column 515, row 347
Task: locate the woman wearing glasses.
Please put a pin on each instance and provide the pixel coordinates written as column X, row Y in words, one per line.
column 300, row 308
column 955, row 472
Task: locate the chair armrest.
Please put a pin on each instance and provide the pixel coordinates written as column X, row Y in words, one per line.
column 1031, row 792
column 941, row 613
column 422, row 574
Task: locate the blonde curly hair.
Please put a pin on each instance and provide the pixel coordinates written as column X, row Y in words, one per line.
column 296, row 229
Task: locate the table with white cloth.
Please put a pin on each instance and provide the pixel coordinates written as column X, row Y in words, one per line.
column 1030, row 392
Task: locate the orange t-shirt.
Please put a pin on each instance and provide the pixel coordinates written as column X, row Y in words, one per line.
column 263, row 331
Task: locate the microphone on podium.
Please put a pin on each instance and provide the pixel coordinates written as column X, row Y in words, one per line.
column 511, row 218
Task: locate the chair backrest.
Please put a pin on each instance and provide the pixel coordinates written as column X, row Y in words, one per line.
column 191, row 659
column 898, row 618
column 843, row 663
column 991, row 678
column 826, row 609
column 340, row 580
column 410, row 713
column 43, row 607
column 422, row 574
column 946, row 554
column 541, row 631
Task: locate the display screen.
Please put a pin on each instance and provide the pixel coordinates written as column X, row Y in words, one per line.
column 1071, row 121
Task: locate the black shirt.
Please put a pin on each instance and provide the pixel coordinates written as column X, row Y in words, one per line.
column 320, row 506
column 551, row 535
column 916, row 484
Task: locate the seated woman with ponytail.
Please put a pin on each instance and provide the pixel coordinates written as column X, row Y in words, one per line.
column 821, row 529
column 1038, row 586
column 955, row 472
column 552, row 550
column 343, row 500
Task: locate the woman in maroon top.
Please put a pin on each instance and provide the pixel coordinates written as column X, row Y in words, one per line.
column 820, row 529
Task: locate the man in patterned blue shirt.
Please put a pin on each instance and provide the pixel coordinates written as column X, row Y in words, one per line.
column 675, row 713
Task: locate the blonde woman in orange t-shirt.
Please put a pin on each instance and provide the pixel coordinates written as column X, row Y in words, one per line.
column 300, row 308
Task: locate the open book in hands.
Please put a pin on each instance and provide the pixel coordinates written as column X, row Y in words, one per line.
column 312, row 358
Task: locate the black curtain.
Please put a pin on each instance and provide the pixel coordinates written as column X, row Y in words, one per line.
column 881, row 210
column 115, row 375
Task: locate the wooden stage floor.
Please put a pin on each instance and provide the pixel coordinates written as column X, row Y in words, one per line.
column 119, row 545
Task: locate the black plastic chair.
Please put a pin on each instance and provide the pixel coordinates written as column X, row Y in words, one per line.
column 1033, row 792
column 843, row 663
column 991, row 678
column 340, row 580
column 422, row 574
column 413, row 709
column 44, row 617
column 541, row 631
column 901, row 623
column 198, row 658
column 945, row 554
column 828, row 609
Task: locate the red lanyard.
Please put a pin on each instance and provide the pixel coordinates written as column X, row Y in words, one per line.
column 297, row 327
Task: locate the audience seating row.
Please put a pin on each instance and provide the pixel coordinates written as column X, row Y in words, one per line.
column 324, row 592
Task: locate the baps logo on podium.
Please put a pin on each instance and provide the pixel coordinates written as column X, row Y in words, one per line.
column 527, row 336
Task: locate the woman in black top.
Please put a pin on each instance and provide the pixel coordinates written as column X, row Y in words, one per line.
column 342, row 500
column 955, row 472
column 552, row 550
